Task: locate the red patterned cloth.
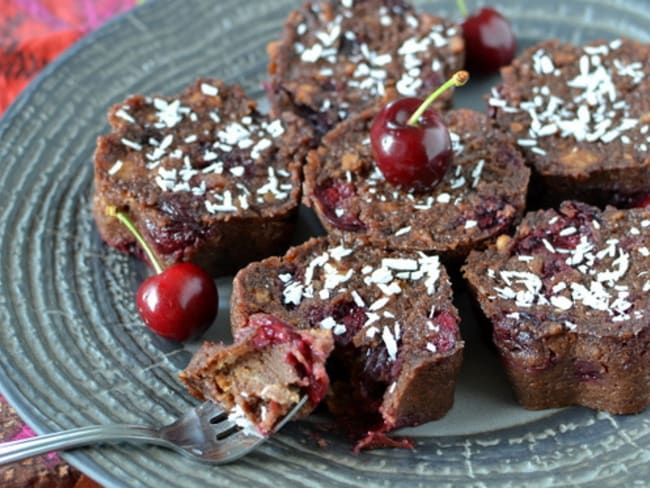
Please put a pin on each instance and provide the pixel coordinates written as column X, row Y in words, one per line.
column 34, row 32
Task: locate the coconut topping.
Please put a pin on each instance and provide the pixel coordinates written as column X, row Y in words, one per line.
column 594, row 104
column 199, row 162
column 601, row 278
column 374, row 69
column 461, row 180
column 328, row 274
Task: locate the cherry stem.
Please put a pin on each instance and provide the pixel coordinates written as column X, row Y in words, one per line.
column 462, row 7
column 459, row 79
column 113, row 212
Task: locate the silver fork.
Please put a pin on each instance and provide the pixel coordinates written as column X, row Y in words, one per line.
column 206, row 432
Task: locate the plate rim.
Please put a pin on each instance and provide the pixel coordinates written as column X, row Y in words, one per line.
column 8, row 388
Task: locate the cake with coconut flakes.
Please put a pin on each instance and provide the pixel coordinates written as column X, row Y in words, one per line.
column 204, row 176
column 336, row 58
column 568, row 297
column 481, row 196
column 397, row 346
column 265, row 373
column 581, row 115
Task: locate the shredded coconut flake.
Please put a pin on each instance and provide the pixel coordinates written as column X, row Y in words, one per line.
column 116, row 167
column 209, row 90
column 390, row 342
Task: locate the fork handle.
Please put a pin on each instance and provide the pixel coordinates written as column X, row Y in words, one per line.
column 83, row 436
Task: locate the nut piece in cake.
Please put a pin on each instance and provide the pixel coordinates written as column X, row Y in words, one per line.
column 569, row 301
column 202, row 175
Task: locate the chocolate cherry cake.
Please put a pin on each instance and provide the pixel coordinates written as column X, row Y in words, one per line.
column 397, row 348
column 481, row 196
column 204, row 176
column 581, row 115
column 337, row 57
column 265, row 372
column 569, row 301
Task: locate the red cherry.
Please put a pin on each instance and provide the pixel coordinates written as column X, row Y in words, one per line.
column 410, row 156
column 411, row 142
column 178, row 302
column 489, row 40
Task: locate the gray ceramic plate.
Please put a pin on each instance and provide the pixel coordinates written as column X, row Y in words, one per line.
column 73, row 352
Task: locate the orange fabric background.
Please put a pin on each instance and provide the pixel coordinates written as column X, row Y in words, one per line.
column 34, row 32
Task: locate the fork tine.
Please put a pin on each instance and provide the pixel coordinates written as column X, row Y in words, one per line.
column 222, row 427
column 238, row 445
column 248, row 438
column 240, row 420
column 291, row 414
column 210, row 409
column 228, row 432
column 214, row 433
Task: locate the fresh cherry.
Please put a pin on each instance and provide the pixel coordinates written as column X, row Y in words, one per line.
column 411, row 142
column 178, row 302
column 489, row 40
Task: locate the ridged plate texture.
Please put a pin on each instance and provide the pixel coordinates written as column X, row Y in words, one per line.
column 73, row 351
